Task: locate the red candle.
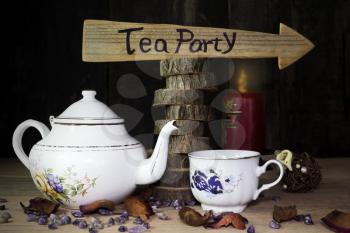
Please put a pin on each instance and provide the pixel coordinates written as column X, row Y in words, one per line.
column 252, row 120
column 246, row 131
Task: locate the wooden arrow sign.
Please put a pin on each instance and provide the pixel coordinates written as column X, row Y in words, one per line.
column 108, row 41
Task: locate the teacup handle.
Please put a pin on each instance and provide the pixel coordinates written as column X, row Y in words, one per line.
column 262, row 169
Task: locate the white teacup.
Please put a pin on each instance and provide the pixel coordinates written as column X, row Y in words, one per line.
column 227, row 180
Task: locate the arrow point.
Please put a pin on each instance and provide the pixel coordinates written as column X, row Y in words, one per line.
column 290, row 55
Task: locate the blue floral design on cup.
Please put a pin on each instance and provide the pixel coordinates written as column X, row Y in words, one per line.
column 203, row 183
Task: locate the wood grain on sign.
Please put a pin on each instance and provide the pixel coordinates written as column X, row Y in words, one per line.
column 108, row 41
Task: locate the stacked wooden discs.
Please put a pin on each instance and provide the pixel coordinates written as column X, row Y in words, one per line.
column 184, row 101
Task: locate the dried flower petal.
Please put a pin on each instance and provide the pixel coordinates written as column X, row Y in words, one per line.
column 338, row 221
column 192, row 218
column 236, row 220
column 284, row 213
column 274, row 224
column 96, row 205
column 40, row 206
column 136, row 206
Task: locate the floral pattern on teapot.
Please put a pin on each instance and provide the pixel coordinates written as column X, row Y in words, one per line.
column 214, row 182
column 62, row 188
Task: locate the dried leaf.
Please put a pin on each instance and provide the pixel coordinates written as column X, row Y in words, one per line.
column 40, row 206
column 284, row 213
column 96, row 205
column 338, row 221
column 192, row 218
column 137, row 206
column 236, row 220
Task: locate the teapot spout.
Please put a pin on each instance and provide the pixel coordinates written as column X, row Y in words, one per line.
column 152, row 169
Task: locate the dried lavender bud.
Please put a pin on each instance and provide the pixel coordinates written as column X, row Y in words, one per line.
column 82, row 224
column 274, row 224
column 94, row 220
column 117, row 220
column 146, row 225
column 137, row 229
column 52, row 226
column 251, row 229
column 125, row 215
column 191, row 203
column 111, row 221
column 3, row 200
column 166, row 203
column 65, row 219
column 2, row 207
column 92, row 230
column 138, row 221
column 122, row 229
column 154, row 208
column 158, row 203
column 308, row 220
column 276, row 198
column 177, row 203
column 299, row 218
column 78, row 214
column 103, row 211
column 162, row 216
column 42, row 220
column 77, row 221
column 98, row 225
column 32, row 217
column 56, row 220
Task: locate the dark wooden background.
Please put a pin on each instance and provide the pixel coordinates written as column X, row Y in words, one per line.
column 307, row 104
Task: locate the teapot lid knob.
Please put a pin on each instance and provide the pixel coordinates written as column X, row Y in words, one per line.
column 88, row 94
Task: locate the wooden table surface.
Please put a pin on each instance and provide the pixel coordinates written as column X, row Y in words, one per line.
column 333, row 193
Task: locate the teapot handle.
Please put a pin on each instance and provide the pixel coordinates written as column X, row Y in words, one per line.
column 18, row 134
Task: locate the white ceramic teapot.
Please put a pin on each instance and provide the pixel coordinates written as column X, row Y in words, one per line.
column 88, row 155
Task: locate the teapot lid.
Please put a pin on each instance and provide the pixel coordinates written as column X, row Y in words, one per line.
column 88, row 110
